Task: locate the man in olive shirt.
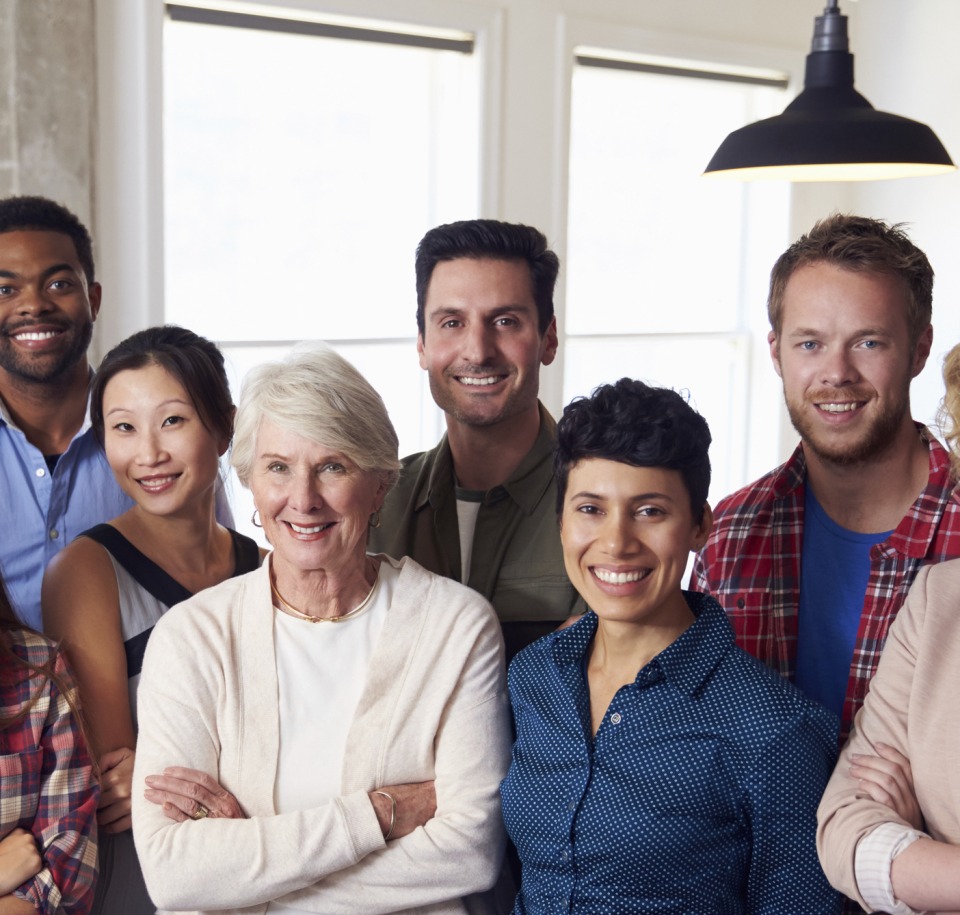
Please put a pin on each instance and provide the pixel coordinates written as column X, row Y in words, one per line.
column 481, row 506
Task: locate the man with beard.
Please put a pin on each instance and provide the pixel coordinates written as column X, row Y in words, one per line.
column 54, row 479
column 813, row 560
column 480, row 507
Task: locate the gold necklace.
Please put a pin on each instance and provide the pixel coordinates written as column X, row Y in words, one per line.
column 355, row 612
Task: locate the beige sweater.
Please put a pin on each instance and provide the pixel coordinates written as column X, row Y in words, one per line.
column 912, row 705
column 434, row 706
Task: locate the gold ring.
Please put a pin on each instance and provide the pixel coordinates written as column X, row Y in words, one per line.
column 200, row 812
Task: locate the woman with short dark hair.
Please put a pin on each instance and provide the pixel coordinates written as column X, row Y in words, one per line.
column 657, row 767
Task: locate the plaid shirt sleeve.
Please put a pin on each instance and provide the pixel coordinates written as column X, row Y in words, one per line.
column 47, row 787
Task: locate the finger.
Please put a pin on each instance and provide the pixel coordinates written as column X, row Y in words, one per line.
column 121, row 825
column 894, row 755
column 114, row 812
column 208, row 782
column 220, row 803
column 189, row 807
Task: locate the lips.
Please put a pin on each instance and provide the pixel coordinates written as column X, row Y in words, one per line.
column 609, row 577
column 157, row 483
column 307, row 530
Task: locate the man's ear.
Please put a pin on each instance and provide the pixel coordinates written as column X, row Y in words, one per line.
column 420, row 353
column 94, row 292
column 774, row 344
column 550, row 343
column 922, row 350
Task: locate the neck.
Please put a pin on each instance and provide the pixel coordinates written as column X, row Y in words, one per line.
column 487, row 456
column 48, row 413
column 872, row 496
column 320, row 593
column 628, row 647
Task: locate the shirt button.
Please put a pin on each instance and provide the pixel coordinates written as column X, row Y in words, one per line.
column 54, row 534
column 565, row 855
column 572, row 806
column 741, row 603
column 616, row 718
column 41, row 472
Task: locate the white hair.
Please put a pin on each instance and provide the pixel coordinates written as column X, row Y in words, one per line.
column 314, row 392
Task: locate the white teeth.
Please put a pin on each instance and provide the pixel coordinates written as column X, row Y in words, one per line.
column 156, row 482
column 844, row 407
column 29, row 335
column 618, row 578
column 306, row 530
column 480, row 382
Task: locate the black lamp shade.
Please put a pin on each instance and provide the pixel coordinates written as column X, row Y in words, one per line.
column 830, row 133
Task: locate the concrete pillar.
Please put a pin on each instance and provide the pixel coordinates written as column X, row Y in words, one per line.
column 48, row 101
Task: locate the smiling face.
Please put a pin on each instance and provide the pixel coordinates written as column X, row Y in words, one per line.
column 47, row 309
column 161, row 453
column 846, row 360
column 627, row 533
column 481, row 344
column 314, row 503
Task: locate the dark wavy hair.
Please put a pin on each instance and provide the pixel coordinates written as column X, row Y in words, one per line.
column 636, row 424
column 18, row 214
column 193, row 360
column 489, row 238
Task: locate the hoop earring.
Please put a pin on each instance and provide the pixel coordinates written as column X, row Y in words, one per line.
column 374, row 521
column 254, row 520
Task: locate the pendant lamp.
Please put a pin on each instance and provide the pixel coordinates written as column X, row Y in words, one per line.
column 830, row 132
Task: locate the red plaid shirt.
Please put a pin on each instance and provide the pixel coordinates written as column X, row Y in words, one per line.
column 751, row 565
column 47, row 784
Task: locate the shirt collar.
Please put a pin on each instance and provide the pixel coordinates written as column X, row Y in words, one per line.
column 8, row 420
column 918, row 527
column 526, row 486
column 686, row 663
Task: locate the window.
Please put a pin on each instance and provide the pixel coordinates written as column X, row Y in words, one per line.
column 662, row 264
column 303, row 161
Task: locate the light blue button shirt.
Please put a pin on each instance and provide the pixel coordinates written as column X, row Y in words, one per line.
column 43, row 511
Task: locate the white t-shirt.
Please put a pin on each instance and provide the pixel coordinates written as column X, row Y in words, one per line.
column 321, row 669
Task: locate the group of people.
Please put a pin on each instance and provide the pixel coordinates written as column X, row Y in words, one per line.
column 329, row 726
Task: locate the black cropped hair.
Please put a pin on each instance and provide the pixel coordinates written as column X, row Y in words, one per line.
column 193, row 360
column 489, row 238
column 19, row 214
column 636, row 424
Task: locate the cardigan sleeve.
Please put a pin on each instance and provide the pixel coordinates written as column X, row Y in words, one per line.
column 844, row 819
column 459, row 851
column 221, row 863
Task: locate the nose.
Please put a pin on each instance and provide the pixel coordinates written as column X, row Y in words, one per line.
column 151, row 451
column 838, row 368
column 478, row 345
column 618, row 534
column 305, row 494
column 32, row 301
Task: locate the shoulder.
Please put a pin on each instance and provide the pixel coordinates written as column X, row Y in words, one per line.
column 79, row 581
column 767, row 706
column 445, row 604
column 747, row 499
column 31, row 646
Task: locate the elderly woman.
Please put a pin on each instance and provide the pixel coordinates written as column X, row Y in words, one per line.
column 657, row 767
column 325, row 734
column 889, row 834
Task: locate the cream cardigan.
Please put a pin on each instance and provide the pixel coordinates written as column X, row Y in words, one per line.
column 912, row 706
column 434, row 706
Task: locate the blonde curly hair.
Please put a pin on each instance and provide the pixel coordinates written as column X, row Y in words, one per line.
column 948, row 416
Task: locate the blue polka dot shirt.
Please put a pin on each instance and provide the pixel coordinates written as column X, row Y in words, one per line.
column 698, row 793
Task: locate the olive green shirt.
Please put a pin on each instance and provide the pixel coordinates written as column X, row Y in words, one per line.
column 517, row 561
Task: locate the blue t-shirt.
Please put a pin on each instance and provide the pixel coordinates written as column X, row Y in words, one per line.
column 834, row 570
column 697, row 795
